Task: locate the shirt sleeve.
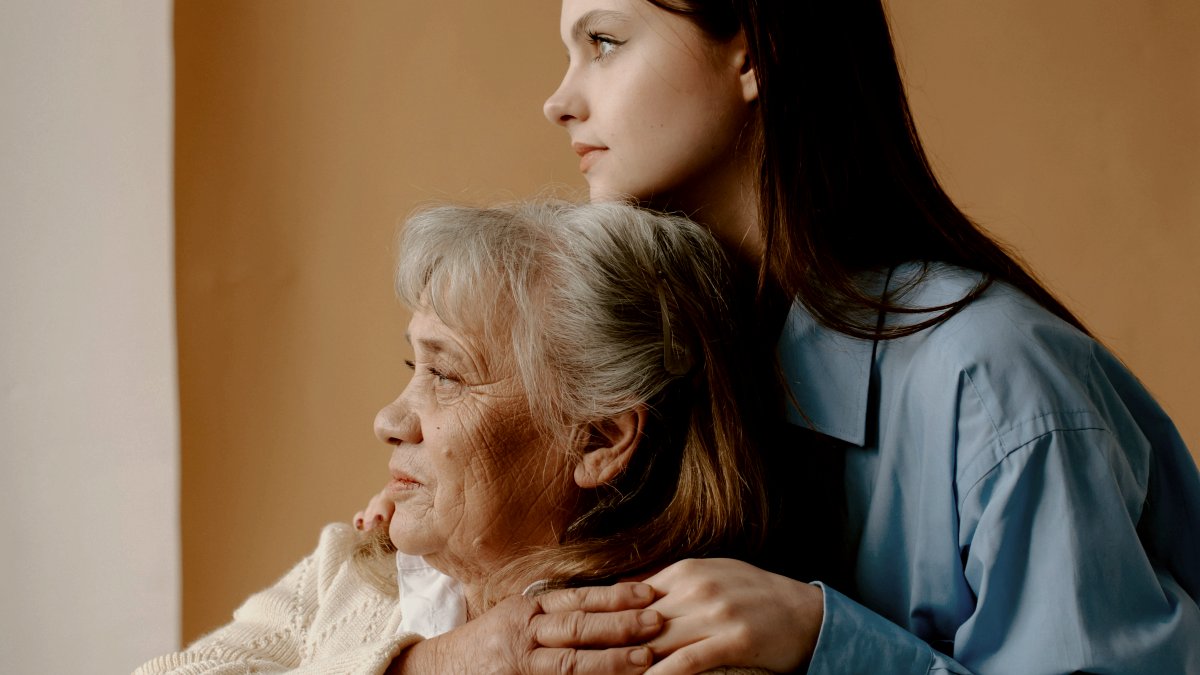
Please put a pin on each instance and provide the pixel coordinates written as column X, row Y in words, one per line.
column 854, row 639
column 1061, row 579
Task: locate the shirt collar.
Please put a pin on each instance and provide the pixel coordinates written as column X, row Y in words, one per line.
column 431, row 603
column 829, row 375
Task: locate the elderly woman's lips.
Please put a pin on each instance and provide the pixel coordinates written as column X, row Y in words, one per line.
column 402, row 483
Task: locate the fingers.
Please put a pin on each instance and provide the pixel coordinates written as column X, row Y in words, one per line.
column 367, row 520
column 604, row 629
column 627, row 595
column 379, row 511
column 597, row 616
column 726, row 612
column 682, row 632
column 696, row 658
column 619, row 661
column 381, row 508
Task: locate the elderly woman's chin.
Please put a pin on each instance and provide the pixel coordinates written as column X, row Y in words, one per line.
column 474, row 549
column 411, row 531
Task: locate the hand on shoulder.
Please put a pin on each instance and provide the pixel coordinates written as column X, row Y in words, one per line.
column 723, row 612
column 587, row 631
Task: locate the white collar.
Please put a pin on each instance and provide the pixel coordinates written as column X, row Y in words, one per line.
column 431, row 603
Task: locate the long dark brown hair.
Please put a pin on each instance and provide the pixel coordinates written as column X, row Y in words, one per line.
column 845, row 185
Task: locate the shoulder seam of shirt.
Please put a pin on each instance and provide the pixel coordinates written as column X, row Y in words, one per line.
column 1020, row 434
column 1033, row 439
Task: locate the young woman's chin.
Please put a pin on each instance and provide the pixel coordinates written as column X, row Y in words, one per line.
column 600, row 191
column 654, row 196
column 599, row 195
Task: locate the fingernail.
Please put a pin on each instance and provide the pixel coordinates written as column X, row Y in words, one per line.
column 648, row 618
column 643, row 592
column 640, row 657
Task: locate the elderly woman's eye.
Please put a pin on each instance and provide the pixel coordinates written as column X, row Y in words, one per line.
column 441, row 377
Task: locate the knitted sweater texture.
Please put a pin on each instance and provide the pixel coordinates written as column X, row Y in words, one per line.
column 323, row 617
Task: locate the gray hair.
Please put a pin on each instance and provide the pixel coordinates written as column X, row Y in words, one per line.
column 607, row 307
column 578, row 290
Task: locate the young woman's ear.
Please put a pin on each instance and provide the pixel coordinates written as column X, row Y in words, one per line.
column 611, row 444
column 749, row 78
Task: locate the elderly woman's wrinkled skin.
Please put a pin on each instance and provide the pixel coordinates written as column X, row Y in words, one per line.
column 473, row 480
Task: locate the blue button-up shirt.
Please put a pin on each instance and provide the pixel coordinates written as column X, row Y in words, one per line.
column 1017, row 501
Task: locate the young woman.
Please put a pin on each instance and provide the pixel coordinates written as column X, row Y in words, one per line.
column 1016, row 501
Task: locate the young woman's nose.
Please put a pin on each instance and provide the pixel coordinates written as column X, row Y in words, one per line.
column 396, row 423
column 564, row 104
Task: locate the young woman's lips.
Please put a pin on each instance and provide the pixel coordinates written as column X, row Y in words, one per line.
column 588, row 154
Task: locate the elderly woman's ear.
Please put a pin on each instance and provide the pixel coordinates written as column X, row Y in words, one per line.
column 611, row 443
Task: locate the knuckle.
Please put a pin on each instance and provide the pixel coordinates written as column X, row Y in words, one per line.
column 637, row 594
column 624, row 627
column 740, row 637
column 562, row 600
column 690, row 660
column 707, row 589
column 724, row 611
column 533, row 606
column 566, row 662
column 632, row 626
column 577, row 596
column 575, row 627
column 518, row 611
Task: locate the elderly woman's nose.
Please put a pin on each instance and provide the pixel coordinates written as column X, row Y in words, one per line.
column 397, row 423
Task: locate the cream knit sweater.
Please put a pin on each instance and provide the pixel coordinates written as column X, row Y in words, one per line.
column 325, row 616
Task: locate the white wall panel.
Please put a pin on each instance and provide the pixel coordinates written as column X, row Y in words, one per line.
column 88, row 403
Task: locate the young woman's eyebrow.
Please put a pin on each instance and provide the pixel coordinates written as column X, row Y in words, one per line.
column 586, row 24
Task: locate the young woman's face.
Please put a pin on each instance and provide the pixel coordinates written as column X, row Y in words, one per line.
column 653, row 106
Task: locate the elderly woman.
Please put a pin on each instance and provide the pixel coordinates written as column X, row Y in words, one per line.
column 578, row 413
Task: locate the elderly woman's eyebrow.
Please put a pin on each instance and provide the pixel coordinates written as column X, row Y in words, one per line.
column 586, row 24
column 435, row 345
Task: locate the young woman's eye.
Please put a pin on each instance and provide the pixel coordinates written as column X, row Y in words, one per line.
column 604, row 45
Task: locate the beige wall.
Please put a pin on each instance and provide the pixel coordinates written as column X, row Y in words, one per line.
column 1072, row 129
column 306, row 129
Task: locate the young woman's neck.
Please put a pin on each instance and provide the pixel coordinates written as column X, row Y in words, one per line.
column 728, row 205
column 734, row 220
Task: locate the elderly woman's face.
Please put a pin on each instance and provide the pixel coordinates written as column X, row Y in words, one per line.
column 472, row 479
